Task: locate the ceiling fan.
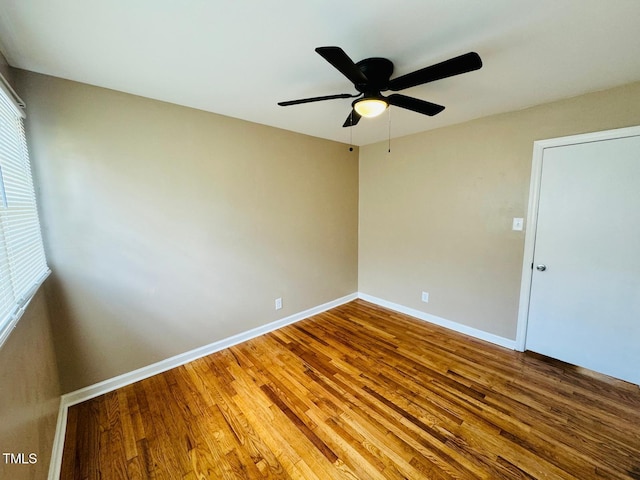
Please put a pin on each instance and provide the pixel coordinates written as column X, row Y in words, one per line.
column 372, row 76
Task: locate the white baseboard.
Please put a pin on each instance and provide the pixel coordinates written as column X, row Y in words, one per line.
column 114, row 383
column 55, row 464
column 427, row 317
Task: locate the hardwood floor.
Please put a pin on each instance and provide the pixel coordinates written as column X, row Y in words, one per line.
column 360, row 392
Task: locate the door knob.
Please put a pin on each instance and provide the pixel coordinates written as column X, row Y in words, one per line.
column 541, row 268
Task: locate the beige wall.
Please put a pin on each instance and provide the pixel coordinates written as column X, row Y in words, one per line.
column 29, row 393
column 436, row 213
column 169, row 228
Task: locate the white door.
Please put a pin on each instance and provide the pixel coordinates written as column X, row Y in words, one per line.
column 585, row 290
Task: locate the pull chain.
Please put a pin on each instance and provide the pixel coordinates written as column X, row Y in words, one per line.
column 389, row 130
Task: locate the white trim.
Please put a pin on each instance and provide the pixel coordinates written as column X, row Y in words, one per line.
column 539, row 147
column 529, row 245
column 55, row 464
column 106, row 386
column 16, row 101
column 589, row 137
column 443, row 322
column 21, row 307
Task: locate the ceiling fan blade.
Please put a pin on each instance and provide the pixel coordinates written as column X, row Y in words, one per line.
column 315, row 99
column 454, row 66
column 341, row 61
column 352, row 120
column 414, row 104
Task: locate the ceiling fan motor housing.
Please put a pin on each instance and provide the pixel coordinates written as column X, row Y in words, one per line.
column 378, row 72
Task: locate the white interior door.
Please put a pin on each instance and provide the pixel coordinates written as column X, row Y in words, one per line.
column 585, row 305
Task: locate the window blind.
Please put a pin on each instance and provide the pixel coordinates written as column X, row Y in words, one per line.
column 23, row 266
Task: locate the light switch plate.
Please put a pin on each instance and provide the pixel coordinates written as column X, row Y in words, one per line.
column 518, row 224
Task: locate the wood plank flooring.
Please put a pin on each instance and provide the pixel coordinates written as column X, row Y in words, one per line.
column 360, row 392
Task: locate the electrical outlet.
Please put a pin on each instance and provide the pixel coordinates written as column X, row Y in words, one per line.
column 278, row 303
column 425, row 297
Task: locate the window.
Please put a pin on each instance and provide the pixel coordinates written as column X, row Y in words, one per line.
column 23, row 266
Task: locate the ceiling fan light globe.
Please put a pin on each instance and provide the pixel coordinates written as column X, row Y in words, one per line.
column 370, row 107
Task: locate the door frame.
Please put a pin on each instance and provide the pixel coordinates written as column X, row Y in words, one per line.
column 539, row 147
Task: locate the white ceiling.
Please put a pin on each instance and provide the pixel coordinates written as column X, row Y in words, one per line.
column 240, row 57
